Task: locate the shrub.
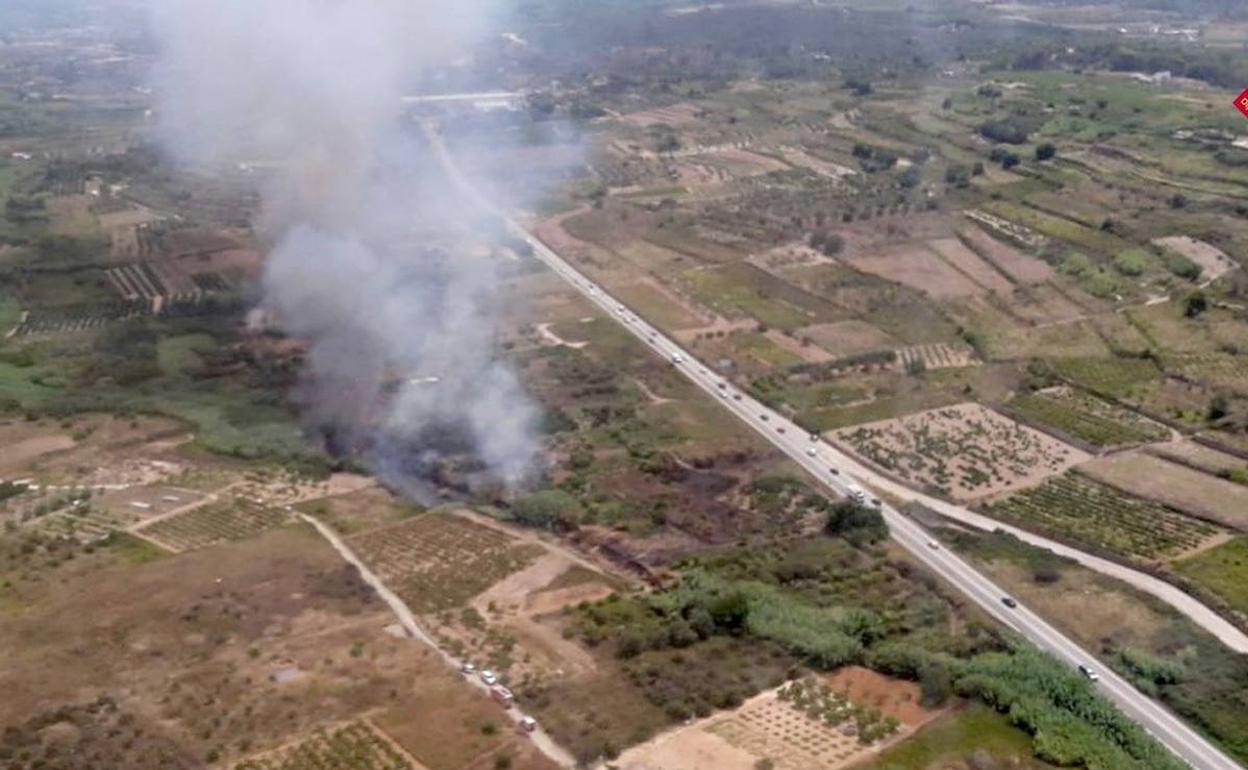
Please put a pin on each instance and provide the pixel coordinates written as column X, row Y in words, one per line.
column 1045, row 151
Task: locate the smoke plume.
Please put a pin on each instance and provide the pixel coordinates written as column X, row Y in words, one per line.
column 401, row 333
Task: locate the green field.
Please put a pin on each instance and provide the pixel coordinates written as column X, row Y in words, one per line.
column 1087, row 418
column 1073, row 507
column 1125, row 378
column 1222, row 570
column 954, row 738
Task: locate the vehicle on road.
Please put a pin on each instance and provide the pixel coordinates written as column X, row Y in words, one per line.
column 489, row 677
column 811, row 451
column 502, row 695
column 876, row 502
column 736, row 396
column 468, row 667
column 780, row 429
column 814, row 437
column 528, row 724
column 856, row 493
column 763, row 417
column 1089, row 672
column 1008, row 601
column 678, row 359
column 933, row 545
column 834, row 471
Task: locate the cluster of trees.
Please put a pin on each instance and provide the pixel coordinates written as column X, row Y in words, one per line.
column 859, row 524
column 1007, row 131
column 830, row 244
column 873, row 159
column 1070, row 723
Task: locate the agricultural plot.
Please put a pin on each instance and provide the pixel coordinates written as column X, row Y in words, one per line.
column 218, row 522
column 936, row 356
column 1087, row 418
column 353, row 746
column 919, row 269
column 84, row 523
column 805, row 725
column 1203, row 458
column 1213, row 261
column 965, row 451
column 1006, row 258
column 956, row 253
column 1178, row 486
column 1222, row 570
column 439, row 561
column 1131, row 379
column 1073, row 507
column 1219, row 370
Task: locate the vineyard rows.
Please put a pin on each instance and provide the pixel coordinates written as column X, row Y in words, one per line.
column 437, row 561
column 219, row 522
column 1074, row 506
column 1126, row 378
column 1088, row 418
column 354, row 746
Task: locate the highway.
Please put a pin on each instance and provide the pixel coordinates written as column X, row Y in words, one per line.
column 820, row 459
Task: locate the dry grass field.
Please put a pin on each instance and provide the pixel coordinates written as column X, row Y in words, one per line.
column 1197, row 494
column 439, row 561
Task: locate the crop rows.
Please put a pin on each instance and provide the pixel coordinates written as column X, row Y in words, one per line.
column 354, row 746
column 1220, row 370
column 1127, row 378
column 817, row 701
column 86, row 524
column 1089, row 419
column 220, row 522
column 1077, row 507
column 436, row 562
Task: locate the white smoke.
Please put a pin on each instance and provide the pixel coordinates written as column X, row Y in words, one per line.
column 312, row 89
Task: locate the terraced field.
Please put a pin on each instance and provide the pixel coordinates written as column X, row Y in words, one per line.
column 1074, row 507
column 439, row 561
column 354, row 746
column 1087, row 418
column 1125, row 378
column 219, row 522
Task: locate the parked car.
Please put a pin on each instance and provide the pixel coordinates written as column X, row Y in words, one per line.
column 489, row 677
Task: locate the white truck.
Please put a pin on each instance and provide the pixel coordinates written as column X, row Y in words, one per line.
column 856, row 493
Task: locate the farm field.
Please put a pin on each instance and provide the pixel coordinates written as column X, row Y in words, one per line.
column 1204, row 458
column 1197, row 494
column 965, row 451
column 216, row 522
column 1073, row 507
column 437, row 561
column 1223, row 571
column 1130, row 379
column 1086, row 418
column 961, row 739
column 353, row 746
column 804, row 725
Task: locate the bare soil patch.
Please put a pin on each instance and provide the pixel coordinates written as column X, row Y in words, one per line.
column 956, row 253
column 893, row 697
column 1196, row 493
column 1213, row 261
column 918, row 268
column 1011, row 261
column 847, row 338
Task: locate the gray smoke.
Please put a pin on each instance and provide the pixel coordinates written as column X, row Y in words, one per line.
column 310, row 89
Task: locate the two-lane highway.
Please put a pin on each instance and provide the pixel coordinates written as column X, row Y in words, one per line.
column 823, row 462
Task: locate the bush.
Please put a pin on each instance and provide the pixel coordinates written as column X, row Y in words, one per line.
column 1045, row 151
column 859, row 524
column 1006, row 131
column 550, row 508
